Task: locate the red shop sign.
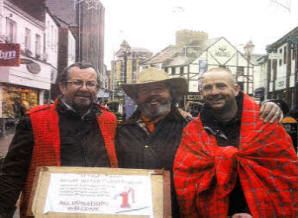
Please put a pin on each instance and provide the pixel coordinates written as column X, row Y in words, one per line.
column 9, row 54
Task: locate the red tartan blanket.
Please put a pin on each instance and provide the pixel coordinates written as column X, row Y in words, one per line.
column 205, row 174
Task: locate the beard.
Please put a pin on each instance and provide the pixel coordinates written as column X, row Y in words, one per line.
column 221, row 106
column 82, row 101
column 155, row 107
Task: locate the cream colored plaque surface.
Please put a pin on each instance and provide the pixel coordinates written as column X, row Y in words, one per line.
column 160, row 184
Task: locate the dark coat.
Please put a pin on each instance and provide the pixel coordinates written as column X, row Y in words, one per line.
column 136, row 148
column 81, row 145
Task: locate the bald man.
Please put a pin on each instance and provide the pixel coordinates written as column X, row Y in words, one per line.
column 229, row 160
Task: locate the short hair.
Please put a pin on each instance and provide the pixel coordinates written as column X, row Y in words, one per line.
column 82, row 65
column 220, row 69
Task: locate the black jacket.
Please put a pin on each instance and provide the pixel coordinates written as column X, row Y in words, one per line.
column 81, row 145
column 136, row 148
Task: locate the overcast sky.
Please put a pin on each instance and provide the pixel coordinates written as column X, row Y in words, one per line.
column 152, row 24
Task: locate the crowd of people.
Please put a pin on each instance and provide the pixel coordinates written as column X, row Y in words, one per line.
column 234, row 159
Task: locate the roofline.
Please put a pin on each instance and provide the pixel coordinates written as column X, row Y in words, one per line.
column 281, row 41
column 29, row 18
column 54, row 17
column 157, row 54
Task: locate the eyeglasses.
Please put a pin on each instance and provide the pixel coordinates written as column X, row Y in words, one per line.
column 80, row 83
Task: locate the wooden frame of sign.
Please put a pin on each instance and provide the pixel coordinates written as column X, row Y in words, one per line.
column 160, row 184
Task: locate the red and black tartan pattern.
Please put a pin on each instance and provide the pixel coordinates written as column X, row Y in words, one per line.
column 46, row 149
column 205, row 174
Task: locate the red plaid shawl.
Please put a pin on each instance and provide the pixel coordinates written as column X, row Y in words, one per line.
column 205, row 173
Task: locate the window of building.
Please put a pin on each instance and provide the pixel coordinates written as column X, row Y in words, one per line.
column 11, row 30
column 269, row 70
column 181, row 71
column 27, row 38
column 293, row 54
column 274, row 68
column 280, row 62
column 52, row 37
column 37, row 45
column 285, row 54
column 173, row 70
column 240, row 70
column 122, row 66
column 134, row 65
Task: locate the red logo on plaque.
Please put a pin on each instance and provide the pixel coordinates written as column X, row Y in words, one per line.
column 9, row 54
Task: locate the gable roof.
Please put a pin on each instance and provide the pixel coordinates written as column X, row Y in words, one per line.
column 163, row 56
column 291, row 36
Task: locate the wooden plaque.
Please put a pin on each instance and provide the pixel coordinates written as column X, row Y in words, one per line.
column 159, row 183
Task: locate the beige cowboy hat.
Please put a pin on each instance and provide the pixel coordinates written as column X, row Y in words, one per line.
column 153, row 75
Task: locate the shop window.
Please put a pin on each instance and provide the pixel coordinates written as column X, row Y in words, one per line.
column 16, row 97
column 11, row 30
column 27, row 39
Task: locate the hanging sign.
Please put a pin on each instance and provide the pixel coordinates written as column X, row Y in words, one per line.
column 9, row 54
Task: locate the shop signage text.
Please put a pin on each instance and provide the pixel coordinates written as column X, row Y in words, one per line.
column 9, row 54
column 193, row 98
column 222, row 52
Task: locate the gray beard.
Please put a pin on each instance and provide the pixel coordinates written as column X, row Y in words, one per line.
column 152, row 115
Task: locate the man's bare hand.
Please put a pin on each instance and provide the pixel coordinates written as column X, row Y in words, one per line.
column 271, row 112
column 184, row 113
column 241, row 215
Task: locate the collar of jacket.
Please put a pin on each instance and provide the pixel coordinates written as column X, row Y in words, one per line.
column 65, row 109
column 173, row 115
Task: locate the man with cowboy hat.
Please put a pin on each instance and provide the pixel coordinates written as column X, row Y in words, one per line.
column 150, row 137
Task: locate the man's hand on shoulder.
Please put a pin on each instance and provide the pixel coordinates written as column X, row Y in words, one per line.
column 271, row 112
column 184, row 114
column 242, row 215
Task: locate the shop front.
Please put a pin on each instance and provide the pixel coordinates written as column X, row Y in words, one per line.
column 21, row 88
column 16, row 101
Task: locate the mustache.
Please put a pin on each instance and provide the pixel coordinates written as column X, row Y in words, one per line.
column 159, row 99
column 215, row 97
column 156, row 98
column 83, row 94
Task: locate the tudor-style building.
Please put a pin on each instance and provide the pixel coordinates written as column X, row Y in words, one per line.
column 282, row 68
column 193, row 60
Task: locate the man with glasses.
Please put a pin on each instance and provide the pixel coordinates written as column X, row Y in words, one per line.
column 74, row 131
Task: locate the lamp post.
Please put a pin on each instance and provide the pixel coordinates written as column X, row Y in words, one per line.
column 248, row 48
